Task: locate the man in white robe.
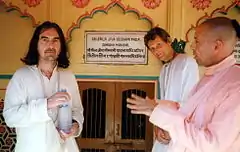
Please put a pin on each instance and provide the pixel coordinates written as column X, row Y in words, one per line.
column 33, row 95
column 210, row 119
column 178, row 76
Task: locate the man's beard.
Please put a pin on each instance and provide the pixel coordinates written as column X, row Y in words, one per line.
column 50, row 55
column 50, row 58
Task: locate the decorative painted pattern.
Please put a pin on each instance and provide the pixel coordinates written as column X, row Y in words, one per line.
column 238, row 4
column 23, row 14
column 7, row 135
column 80, row 3
column 151, row 4
column 223, row 10
column 32, row 3
column 201, row 4
column 87, row 15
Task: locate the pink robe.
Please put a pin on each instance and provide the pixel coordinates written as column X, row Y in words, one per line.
column 210, row 120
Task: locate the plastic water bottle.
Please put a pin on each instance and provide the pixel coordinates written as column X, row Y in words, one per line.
column 65, row 116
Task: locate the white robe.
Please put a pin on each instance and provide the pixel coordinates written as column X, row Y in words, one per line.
column 25, row 109
column 176, row 79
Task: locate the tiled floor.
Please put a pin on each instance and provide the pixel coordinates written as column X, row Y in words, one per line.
column 7, row 135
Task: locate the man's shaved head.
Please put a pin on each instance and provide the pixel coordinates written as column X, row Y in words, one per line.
column 215, row 39
column 220, row 28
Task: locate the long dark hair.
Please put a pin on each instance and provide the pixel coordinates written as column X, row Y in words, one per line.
column 32, row 56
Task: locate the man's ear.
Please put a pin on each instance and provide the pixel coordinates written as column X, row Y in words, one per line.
column 219, row 44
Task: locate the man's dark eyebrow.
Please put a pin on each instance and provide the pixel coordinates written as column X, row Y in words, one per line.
column 56, row 38
column 42, row 37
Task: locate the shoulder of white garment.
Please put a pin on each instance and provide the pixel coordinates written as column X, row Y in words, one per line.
column 188, row 61
column 23, row 72
column 66, row 72
column 182, row 60
column 67, row 75
column 191, row 60
column 186, row 58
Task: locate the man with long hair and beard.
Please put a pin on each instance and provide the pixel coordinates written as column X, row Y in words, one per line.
column 33, row 95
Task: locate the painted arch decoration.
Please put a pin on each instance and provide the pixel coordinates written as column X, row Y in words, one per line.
column 23, row 13
column 105, row 9
column 223, row 10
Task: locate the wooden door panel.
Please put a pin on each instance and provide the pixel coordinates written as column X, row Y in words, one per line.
column 134, row 130
column 109, row 126
column 97, row 100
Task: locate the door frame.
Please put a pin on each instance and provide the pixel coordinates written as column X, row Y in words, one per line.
column 155, row 82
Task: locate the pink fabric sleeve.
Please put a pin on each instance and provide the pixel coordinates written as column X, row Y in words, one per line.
column 218, row 136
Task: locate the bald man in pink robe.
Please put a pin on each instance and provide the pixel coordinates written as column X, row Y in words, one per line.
column 210, row 120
